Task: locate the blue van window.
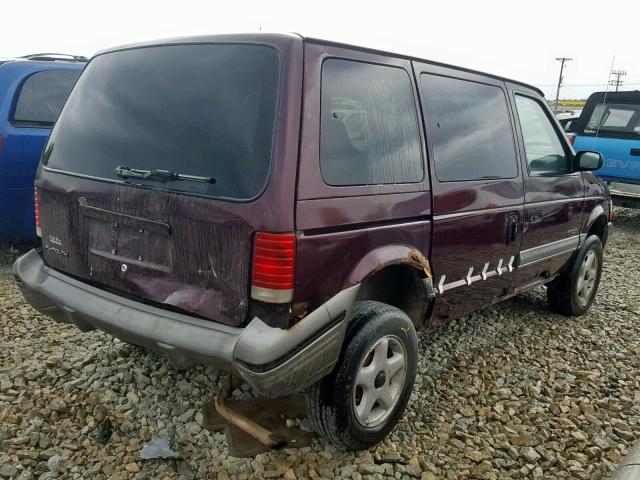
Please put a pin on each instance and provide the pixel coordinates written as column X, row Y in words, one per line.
column 612, row 117
column 42, row 96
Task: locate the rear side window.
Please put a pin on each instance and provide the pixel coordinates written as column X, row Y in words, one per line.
column 469, row 128
column 369, row 127
column 42, row 96
column 621, row 118
column 544, row 151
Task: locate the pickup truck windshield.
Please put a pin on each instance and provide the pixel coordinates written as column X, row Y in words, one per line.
column 206, row 110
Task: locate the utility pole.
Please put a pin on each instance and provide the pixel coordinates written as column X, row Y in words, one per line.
column 617, row 82
column 562, row 61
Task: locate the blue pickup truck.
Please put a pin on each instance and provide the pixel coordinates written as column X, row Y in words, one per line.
column 610, row 124
column 33, row 90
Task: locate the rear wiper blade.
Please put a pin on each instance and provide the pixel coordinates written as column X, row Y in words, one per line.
column 161, row 175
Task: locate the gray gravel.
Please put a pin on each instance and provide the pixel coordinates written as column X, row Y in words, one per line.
column 512, row 391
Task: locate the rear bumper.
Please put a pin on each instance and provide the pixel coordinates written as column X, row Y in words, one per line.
column 274, row 361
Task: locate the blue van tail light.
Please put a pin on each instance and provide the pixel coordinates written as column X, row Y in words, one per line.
column 1, row 142
column 273, row 273
column 36, row 202
column 572, row 137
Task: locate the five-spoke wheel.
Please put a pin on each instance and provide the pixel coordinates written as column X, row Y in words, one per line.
column 359, row 403
column 574, row 290
column 379, row 381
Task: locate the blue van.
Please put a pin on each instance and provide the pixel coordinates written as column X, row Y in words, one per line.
column 610, row 124
column 33, row 90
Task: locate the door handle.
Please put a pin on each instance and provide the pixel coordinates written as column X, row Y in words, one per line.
column 635, row 152
column 512, row 228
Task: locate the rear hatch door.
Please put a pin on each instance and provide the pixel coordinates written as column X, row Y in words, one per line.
column 149, row 182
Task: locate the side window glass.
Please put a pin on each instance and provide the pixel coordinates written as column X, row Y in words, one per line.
column 544, row 151
column 42, row 96
column 619, row 118
column 369, row 127
column 469, row 128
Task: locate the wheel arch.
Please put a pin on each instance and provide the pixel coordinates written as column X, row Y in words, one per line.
column 398, row 275
column 597, row 224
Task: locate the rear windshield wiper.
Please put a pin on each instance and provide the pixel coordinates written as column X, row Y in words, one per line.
column 161, row 175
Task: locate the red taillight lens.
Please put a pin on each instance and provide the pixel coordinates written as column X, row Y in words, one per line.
column 36, row 202
column 273, row 275
column 572, row 137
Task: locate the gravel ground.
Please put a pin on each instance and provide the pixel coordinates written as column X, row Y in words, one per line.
column 512, row 391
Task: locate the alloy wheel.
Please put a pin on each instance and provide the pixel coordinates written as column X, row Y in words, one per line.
column 585, row 285
column 379, row 381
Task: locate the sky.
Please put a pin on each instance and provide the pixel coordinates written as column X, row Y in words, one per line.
column 515, row 39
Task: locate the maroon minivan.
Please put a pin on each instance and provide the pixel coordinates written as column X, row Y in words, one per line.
column 295, row 208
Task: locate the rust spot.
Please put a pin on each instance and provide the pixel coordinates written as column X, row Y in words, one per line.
column 300, row 310
column 419, row 261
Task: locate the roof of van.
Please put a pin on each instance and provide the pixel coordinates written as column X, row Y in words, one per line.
column 411, row 57
column 266, row 36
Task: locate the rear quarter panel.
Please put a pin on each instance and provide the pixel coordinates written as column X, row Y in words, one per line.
column 346, row 233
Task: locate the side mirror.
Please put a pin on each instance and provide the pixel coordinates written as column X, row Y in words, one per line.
column 586, row 160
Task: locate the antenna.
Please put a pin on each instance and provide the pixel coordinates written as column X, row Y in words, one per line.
column 617, row 82
column 562, row 61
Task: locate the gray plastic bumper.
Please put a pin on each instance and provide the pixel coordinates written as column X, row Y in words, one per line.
column 274, row 361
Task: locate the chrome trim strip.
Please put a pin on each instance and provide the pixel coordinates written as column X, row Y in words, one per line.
column 549, row 257
column 561, row 200
column 483, row 211
column 548, row 250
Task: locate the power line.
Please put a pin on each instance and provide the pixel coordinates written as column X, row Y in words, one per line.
column 617, row 82
column 578, row 84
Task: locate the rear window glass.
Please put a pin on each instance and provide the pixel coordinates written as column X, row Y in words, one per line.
column 203, row 110
column 42, row 96
column 369, row 127
column 469, row 129
column 623, row 118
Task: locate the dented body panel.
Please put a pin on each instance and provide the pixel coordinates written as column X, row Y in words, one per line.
column 183, row 251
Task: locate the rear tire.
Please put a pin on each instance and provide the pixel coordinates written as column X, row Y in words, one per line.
column 360, row 402
column 573, row 292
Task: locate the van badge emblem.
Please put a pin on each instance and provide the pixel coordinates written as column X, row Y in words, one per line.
column 55, row 240
column 124, row 268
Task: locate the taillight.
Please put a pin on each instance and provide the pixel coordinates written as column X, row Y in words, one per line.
column 572, row 137
column 36, row 202
column 1, row 142
column 273, row 274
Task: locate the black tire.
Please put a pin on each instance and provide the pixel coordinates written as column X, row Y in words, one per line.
column 331, row 401
column 563, row 292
